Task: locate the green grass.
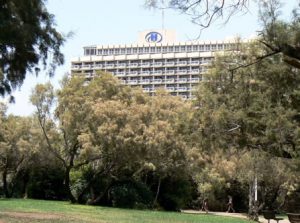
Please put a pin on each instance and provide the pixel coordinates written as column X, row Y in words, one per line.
column 17, row 210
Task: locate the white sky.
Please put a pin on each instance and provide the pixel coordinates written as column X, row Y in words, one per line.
column 117, row 22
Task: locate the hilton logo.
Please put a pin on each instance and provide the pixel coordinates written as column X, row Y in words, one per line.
column 153, row 37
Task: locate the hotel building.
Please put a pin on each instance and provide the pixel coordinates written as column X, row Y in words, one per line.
column 155, row 61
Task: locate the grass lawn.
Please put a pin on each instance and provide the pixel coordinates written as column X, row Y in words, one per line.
column 18, row 210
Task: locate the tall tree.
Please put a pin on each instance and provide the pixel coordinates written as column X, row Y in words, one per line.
column 61, row 130
column 15, row 149
column 28, row 37
column 253, row 108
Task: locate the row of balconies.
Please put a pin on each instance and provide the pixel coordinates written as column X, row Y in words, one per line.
column 156, row 72
column 162, row 81
column 178, row 89
column 133, row 65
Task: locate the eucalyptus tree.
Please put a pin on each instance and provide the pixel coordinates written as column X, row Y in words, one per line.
column 15, row 148
column 62, row 125
column 252, row 108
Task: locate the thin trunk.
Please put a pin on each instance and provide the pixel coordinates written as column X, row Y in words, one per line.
column 94, row 200
column 5, row 184
column 67, row 185
column 157, row 192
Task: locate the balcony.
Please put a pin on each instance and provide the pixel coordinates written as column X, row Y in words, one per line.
column 121, row 65
column 170, row 81
column 157, row 64
column 145, row 64
column 107, row 66
column 146, row 81
column 132, row 82
column 145, row 72
column 170, row 72
column 170, row 64
column 157, row 72
column 195, row 63
column 182, row 63
column 98, row 65
column 75, row 67
column 170, row 88
column 157, row 81
column 133, row 65
column 195, row 71
column 195, row 80
column 86, row 67
column 133, row 73
column 182, row 72
column 182, row 89
column 182, row 80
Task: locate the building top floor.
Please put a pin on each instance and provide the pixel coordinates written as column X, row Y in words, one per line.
column 161, row 41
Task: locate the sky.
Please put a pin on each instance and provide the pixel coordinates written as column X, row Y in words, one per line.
column 118, row 22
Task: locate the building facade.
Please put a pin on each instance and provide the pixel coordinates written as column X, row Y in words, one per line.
column 155, row 61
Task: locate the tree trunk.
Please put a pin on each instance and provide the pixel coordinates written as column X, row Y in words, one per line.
column 94, row 200
column 5, row 184
column 157, row 192
column 67, row 185
column 253, row 204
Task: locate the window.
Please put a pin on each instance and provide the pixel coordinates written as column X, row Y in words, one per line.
column 165, row 49
column 146, row 49
column 207, row 47
column 176, row 48
column 117, row 51
column 195, row 48
column 141, row 50
column 152, row 49
column 220, row 46
column 128, row 50
column 171, row 49
column 158, row 49
column 134, row 50
column 201, row 48
column 189, row 48
column 93, row 51
column 182, row 49
column 122, row 50
column 86, row 51
column 99, row 52
column 105, row 51
column 111, row 51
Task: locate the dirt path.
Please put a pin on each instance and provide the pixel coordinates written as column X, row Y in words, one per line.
column 32, row 215
column 237, row 215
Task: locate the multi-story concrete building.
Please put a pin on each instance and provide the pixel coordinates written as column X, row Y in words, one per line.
column 155, row 61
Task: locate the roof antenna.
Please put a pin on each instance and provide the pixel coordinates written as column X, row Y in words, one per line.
column 162, row 15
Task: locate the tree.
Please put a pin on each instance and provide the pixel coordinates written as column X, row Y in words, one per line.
column 28, row 37
column 203, row 12
column 62, row 129
column 15, row 149
column 253, row 108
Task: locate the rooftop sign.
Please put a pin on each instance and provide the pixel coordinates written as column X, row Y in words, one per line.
column 153, row 37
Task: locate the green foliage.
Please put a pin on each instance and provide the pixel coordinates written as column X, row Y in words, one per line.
column 175, row 198
column 28, row 36
column 131, row 195
column 46, row 182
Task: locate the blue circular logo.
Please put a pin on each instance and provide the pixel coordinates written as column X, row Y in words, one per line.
column 153, row 37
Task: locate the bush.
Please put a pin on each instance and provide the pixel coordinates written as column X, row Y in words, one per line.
column 131, row 195
column 46, row 183
column 174, row 198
